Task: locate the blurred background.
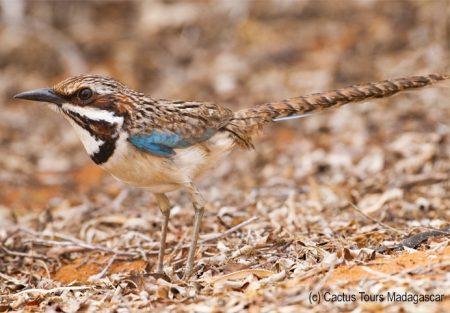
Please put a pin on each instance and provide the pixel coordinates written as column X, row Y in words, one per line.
column 234, row 52
column 390, row 157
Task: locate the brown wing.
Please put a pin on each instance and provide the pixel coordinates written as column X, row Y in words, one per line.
column 160, row 126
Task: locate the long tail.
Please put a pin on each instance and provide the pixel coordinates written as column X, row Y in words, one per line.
column 247, row 122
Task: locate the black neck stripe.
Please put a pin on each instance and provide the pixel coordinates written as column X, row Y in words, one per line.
column 105, row 150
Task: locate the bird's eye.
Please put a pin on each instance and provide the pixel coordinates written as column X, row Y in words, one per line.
column 85, row 94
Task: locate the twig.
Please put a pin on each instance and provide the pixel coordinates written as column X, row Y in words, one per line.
column 11, row 279
column 142, row 236
column 105, row 270
column 229, row 231
column 115, row 205
column 178, row 247
column 352, row 205
column 72, row 241
column 424, row 268
column 51, row 234
column 15, row 231
column 131, row 233
column 326, row 277
column 80, row 244
column 46, row 291
column 24, row 255
column 390, row 276
column 213, row 237
column 424, row 179
column 44, row 265
column 396, row 277
column 312, row 272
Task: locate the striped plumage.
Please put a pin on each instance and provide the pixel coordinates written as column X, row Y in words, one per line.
column 163, row 145
column 248, row 121
column 189, row 119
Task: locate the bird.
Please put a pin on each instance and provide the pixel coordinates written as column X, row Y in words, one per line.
column 163, row 145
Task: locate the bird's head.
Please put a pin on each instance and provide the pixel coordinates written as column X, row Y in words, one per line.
column 96, row 106
column 91, row 96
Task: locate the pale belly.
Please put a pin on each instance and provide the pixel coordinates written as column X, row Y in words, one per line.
column 161, row 174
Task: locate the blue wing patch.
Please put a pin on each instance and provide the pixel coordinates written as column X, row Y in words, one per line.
column 163, row 144
column 144, row 143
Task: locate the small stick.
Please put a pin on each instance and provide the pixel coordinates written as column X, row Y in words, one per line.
column 119, row 199
column 24, row 255
column 326, row 277
column 425, row 268
column 81, row 244
column 46, row 291
column 11, row 279
column 424, row 179
column 72, row 241
column 50, row 234
column 10, row 235
column 216, row 236
column 229, row 231
column 105, row 270
column 352, row 205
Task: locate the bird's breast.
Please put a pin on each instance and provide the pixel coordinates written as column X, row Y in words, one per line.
column 164, row 174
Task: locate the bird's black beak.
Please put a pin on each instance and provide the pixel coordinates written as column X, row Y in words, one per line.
column 42, row 95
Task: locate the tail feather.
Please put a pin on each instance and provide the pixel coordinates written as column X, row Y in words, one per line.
column 247, row 122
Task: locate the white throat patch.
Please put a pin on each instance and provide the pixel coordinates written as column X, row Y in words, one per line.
column 90, row 143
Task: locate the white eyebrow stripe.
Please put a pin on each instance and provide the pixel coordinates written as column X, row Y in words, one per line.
column 93, row 113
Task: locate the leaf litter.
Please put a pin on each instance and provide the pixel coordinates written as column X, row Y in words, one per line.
column 350, row 200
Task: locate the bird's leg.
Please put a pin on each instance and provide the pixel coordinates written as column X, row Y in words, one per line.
column 164, row 206
column 199, row 205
